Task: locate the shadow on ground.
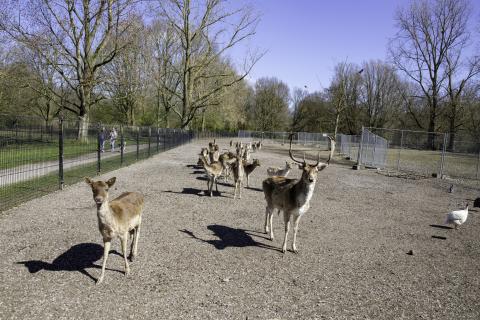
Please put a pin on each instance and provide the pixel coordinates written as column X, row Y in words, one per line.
column 197, row 192
column 230, row 237
column 439, row 226
column 78, row 258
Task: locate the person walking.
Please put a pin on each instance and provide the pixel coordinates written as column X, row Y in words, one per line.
column 113, row 137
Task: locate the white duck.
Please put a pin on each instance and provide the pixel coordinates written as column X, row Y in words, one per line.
column 457, row 217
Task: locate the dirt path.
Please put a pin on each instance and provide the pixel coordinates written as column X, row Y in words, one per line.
column 206, row 258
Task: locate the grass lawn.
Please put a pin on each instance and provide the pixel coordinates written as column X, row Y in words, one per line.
column 22, row 154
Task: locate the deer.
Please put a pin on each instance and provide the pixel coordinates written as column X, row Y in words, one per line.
column 291, row 196
column 213, row 171
column 249, row 167
column 117, row 219
column 275, row 171
column 227, row 159
column 238, row 174
column 214, row 154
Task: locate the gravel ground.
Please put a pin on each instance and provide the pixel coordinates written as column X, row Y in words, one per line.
column 207, row 258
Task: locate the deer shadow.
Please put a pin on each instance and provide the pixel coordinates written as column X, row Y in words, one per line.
column 254, row 189
column 197, row 192
column 78, row 258
column 229, row 237
column 439, row 226
column 218, row 182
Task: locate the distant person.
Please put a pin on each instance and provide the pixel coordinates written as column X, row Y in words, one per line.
column 113, row 137
column 101, row 138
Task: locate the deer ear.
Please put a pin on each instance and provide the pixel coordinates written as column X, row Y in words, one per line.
column 88, row 180
column 111, row 181
column 322, row 166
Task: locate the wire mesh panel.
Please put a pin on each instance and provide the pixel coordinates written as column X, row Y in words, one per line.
column 348, row 145
column 373, row 150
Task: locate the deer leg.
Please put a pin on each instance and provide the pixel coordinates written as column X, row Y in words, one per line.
column 210, row 188
column 286, row 218
column 235, row 190
column 266, row 227
column 135, row 242
column 216, row 184
column 247, row 182
column 271, row 222
column 133, row 235
column 123, row 241
column 296, row 220
column 240, row 190
column 106, row 250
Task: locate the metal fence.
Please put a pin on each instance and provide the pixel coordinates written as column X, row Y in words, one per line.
column 37, row 158
column 304, row 138
column 368, row 149
column 418, row 152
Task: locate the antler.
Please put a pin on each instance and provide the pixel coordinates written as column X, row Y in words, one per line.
column 290, row 151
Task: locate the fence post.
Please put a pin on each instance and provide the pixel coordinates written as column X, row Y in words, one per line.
column 158, row 140
column 360, row 149
column 149, row 138
column 442, row 159
column 399, row 150
column 138, row 142
column 99, row 160
column 164, row 140
column 60, row 154
column 122, row 145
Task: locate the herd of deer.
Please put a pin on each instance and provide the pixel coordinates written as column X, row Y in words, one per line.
column 121, row 218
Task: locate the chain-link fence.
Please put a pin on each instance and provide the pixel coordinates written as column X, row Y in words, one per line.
column 367, row 149
column 427, row 154
column 38, row 157
column 304, row 138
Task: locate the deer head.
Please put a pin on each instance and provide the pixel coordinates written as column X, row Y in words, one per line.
column 309, row 171
column 100, row 189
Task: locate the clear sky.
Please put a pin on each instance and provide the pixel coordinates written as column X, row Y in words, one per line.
column 305, row 39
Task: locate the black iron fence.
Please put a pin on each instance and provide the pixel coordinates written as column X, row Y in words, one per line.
column 37, row 158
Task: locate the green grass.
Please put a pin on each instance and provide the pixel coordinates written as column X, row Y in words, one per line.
column 29, row 153
column 17, row 193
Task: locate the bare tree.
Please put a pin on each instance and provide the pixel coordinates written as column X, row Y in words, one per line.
column 427, row 31
column 344, row 93
column 381, row 93
column 125, row 77
column 459, row 74
column 206, row 30
column 164, row 57
column 84, row 34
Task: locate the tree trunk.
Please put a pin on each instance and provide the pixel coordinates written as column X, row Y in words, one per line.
column 83, row 127
column 451, row 135
column 431, row 125
column 203, row 120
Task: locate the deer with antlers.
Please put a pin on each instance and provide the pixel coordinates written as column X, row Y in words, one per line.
column 292, row 196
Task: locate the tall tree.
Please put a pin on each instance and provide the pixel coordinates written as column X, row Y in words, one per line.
column 427, row 31
column 271, row 100
column 84, row 33
column 344, row 94
column 381, row 95
column 206, row 30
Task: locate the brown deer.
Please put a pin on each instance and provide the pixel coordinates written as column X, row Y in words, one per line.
column 249, row 167
column 291, row 196
column 213, row 171
column 117, row 219
column 238, row 174
column 275, row 171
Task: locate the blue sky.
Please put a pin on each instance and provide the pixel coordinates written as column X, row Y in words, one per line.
column 304, row 39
